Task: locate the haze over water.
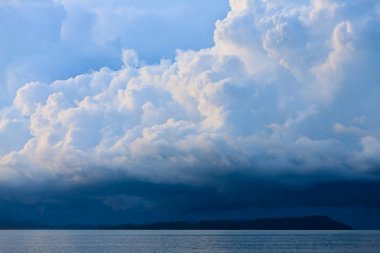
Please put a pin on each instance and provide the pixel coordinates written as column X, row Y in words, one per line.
column 59, row 241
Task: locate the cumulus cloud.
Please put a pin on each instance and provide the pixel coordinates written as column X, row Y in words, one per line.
column 87, row 35
column 273, row 95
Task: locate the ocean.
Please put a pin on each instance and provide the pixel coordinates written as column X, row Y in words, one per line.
column 166, row 241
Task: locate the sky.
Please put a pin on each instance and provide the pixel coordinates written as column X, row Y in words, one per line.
column 142, row 111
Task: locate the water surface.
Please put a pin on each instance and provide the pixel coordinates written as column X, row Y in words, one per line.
column 58, row 241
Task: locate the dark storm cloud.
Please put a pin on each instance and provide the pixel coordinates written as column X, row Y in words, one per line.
column 130, row 200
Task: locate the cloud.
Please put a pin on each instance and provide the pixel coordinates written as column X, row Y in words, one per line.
column 262, row 98
column 227, row 196
column 88, row 35
column 286, row 91
column 367, row 158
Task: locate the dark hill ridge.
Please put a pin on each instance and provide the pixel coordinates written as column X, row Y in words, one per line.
column 295, row 223
column 315, row 222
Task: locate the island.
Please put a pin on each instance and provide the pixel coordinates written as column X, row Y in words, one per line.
column 312, row 222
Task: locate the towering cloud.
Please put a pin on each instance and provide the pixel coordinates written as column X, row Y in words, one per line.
column 285, row 87
column 84, row 35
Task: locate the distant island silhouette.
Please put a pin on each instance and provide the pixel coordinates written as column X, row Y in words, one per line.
column 312, row 222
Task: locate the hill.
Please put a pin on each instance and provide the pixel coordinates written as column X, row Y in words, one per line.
column 314, row 222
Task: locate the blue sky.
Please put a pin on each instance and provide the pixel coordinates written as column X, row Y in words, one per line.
column 179, row 110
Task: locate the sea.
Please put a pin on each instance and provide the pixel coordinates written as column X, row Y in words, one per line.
column 166, row 241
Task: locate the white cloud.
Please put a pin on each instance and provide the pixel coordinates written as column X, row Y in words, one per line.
column 371, row 146
column 367, row 159
column 328, row 74
column 263, row 98
column 86, row 35
column 339, row 128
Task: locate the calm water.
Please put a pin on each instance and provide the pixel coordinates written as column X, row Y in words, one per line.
column 189, row 241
